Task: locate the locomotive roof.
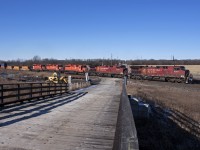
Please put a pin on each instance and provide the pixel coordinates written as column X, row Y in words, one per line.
column 155, row 66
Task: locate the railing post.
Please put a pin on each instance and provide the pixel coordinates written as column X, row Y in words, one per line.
column 66, row 86
column 31, row 91
column 55, row 85
column 61, row 86
column 49, row 88
column 1, row 95
column 69, row 80
column 18, row 92
column 41, row 89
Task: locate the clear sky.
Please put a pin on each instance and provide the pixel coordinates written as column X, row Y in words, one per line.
column 127, row 29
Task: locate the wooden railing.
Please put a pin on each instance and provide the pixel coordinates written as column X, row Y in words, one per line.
column 10, row 93
column 126, row 133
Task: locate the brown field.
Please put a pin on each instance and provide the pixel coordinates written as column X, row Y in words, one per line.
column 15, row 76
column 182, row 97
column 180, row 103
column 194, row 69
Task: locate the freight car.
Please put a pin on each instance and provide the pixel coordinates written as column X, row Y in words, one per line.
column 27, row 68
column 167, row 73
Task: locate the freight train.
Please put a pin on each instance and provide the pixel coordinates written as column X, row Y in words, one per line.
column 112, row 71
column 166, row 73
column 70, row 68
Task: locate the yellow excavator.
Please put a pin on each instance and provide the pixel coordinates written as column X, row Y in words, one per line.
column 56, row 79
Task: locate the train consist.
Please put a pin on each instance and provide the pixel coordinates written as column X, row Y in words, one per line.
column 112, row 71
column 167, row 73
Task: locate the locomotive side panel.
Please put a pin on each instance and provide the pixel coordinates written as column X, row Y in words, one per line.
column 53, row 67
column 75, row 68
column 169, row 73
column 37, row 67
column 113, row 71
column 102, row 70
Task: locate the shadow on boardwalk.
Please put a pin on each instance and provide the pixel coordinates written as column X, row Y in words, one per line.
column 19, row 112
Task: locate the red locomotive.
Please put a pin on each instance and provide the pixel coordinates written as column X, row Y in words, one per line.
column 168, row 73
column 112, row 71
column 48, row 67
column 75, row 69
column 38, row 67
column 53, row 67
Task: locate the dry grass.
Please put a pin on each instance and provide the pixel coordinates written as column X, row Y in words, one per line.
column 195, row 69
column 181, row 129
column 181, row 97
column 14, row 76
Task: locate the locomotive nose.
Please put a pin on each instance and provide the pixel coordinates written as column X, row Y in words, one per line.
column 187, row 72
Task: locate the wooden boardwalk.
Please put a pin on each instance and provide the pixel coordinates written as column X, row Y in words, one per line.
column 64, row 123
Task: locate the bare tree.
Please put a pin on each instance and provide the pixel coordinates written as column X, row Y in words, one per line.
column 36, row 58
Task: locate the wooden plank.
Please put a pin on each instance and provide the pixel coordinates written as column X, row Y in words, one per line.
column 65, row 123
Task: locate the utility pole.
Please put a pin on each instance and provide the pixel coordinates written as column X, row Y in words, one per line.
column 173, row 60
column 111, row 59
column 102, row 61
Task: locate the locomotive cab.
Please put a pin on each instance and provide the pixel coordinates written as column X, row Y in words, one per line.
column 189, row 77
column 184, row 74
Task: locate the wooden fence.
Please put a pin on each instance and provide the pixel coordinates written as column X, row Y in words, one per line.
column 10, row 93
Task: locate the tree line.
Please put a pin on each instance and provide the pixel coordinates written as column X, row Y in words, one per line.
column 98, row 62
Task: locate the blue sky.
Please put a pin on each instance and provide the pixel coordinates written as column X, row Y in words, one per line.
column 127, row 29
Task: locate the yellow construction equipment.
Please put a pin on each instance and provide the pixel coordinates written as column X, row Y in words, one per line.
column 56, row 79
